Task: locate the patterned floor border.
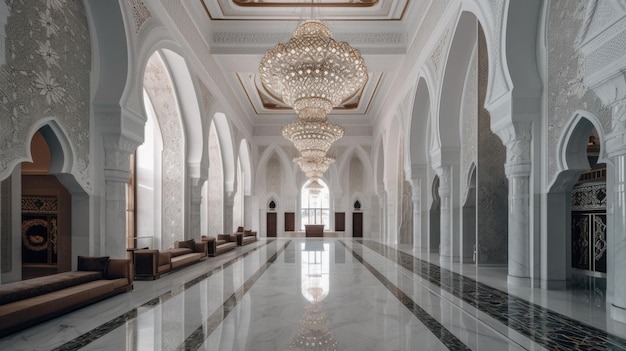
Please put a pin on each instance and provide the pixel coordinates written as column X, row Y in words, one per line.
column 550, row 329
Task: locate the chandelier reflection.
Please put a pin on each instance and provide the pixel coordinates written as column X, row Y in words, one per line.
column 313, row 74
column 314, row 332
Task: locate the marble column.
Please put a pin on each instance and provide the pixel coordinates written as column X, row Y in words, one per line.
column 195, row 198
column 416, row 185
column 616, row 150
column 517, row 169
column 116, row 176
column 229, row 202
column 445, row 216
column 418, row 180
column 382, row 200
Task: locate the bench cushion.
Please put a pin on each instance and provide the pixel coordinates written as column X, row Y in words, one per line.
column 39, row 286
column 178, row 252
column 91, row 263
column 183, row 260
column 40, row 307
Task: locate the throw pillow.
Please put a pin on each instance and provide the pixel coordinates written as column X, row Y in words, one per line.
column 93, row 264
column 188, row 244
column 115, row 270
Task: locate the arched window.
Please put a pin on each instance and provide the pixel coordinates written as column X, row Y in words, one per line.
column 315, row 204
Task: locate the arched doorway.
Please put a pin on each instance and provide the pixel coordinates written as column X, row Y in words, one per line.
column 434, row 220
column 271, row 219
column 46, row 216
column 576, row 225
column 468, row 254
column 315, row 204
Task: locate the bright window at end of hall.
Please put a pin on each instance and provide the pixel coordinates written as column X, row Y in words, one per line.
column 315, row 204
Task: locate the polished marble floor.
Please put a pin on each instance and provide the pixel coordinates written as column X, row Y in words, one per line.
column 332, row 294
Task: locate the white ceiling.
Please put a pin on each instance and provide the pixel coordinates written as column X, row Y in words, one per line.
column 239, row 32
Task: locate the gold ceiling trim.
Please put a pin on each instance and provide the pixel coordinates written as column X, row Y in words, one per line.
column 356, row 3
column 352, row 104
column 208, row 13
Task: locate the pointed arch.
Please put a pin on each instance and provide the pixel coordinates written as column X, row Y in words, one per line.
column 187, row 98
column 451, row 90
column 246, row 166
column 159, row 87
column 572, row 152
column 419, row 118
column 61, row 148
column 214, row 187
column 227, row 149
column 557, row 249
column 285, row 165
column 72, row 198
column 355, row 150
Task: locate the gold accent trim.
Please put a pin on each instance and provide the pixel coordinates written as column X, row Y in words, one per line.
column 34, row 243
column 208, row 13
column 363, row 3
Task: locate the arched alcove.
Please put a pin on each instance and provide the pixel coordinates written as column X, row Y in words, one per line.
column 468, row 247
column 576, row 225
column 214, row 187
column 46, row 215
column 434, row 220
column 159, row 87
column 315, row 204
column 52, row 209
column 148, row 183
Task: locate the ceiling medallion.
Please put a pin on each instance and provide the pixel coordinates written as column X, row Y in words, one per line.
column 313, row 74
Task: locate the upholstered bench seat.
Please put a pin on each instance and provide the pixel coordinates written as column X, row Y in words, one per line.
column 221, row 244
column 33, row 287
column 245, row 237
column 28, row 302
column 152, row 263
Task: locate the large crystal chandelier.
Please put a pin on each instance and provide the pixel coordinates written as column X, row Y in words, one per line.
column 313, row 74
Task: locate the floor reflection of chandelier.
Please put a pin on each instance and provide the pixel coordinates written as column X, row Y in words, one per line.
column 313, row 74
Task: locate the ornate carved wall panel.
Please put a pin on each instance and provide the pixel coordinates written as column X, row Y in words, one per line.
column 158, row 85
column 356, row 175
column 53, row 81
column 566, row 88
column 491, row 182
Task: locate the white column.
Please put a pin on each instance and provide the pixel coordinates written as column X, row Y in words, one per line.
column 229, row 202
column 445, row 217
column 382, row 200
column 517, row 169
column 419, row 178
column 195, row 212
column 416, row 185
column 616, row 150
column 116, row 176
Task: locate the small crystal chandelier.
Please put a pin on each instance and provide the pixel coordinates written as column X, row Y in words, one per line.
column 313, row 74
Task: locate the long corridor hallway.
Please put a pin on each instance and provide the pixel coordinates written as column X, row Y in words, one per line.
column 316, row 294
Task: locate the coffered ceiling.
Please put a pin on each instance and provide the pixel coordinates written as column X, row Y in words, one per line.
column 239, row 32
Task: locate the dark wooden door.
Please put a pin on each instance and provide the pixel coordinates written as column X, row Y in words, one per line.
column 340, row 221
column 357, row 224
column 290, row 221
column 271, row 224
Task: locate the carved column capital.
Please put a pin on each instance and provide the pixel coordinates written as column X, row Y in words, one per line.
column 443, row 172
column 229, row 198
column 517, row 137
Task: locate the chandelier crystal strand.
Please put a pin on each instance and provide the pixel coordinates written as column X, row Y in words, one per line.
column 313, row 74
